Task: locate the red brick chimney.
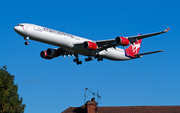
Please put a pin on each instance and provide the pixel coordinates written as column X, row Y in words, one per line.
column 92, row 106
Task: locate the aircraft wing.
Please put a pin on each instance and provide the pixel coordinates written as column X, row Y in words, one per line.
column 102, row 44
column 141, row 54
column 135, row 38
column 105, row 44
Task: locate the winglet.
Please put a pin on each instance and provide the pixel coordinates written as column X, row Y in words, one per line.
column 167, row 29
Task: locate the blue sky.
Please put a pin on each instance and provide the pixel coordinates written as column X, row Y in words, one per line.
column 54, row 85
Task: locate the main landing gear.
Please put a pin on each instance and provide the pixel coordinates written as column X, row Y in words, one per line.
column 77, row 60
column 26, row 38
column 88, row 59
column 98, row 58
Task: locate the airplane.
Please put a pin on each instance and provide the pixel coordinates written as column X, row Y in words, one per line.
column 71, row 45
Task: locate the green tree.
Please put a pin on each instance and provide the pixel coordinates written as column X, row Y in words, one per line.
column 9, row 99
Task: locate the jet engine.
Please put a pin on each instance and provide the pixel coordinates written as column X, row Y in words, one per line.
column 53, row 52
column 44, row 55
column 122, row 41
column 50, row 53
column 90, row 45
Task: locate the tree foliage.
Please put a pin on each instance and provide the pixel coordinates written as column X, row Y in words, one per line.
column 10, row 102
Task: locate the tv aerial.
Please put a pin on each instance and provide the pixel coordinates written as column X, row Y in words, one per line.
column 93, row 93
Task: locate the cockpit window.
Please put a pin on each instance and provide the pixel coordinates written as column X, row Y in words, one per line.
column 20, row 25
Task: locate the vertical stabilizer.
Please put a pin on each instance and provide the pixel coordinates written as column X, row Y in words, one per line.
column 133, row 49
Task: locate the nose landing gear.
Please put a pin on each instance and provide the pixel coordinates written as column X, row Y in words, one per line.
column 26, row 38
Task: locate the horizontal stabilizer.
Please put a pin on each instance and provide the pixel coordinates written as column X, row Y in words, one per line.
column 140, row 55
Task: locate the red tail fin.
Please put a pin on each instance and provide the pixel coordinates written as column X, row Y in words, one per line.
column 133, row 49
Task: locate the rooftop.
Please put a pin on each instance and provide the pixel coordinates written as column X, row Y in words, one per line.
column 127, row 109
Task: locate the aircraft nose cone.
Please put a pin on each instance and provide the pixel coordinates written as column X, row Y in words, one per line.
column 15, row 28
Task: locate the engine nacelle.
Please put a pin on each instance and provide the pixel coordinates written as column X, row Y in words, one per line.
column 122, row 41
column 90, row 45
column 53, row 52
column 44, row 55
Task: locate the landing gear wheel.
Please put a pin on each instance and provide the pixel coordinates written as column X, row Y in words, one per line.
column 74, row 60
column 98, row 59
column 86, row 59
column 89, row 58
column 26, row 43
column 101, row 59
column 95, row 56
column 80, row 62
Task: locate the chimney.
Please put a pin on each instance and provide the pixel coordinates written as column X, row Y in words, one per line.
column 92, row 106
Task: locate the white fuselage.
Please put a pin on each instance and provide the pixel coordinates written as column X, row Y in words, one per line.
column 66, row 41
